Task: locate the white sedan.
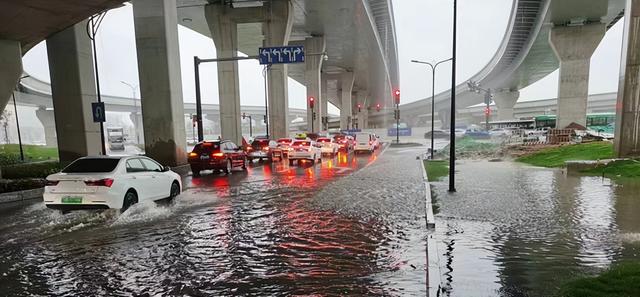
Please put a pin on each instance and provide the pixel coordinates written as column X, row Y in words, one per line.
column 304, row 150
column 110, row 182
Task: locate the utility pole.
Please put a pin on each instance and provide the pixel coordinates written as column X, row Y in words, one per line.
column 452, row 128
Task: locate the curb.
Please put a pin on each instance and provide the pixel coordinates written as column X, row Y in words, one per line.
column 431, row 221
column 21, row 195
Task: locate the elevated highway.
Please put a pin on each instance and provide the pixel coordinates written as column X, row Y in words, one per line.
column 525, row 54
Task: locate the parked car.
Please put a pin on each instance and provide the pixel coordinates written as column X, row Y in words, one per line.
column 260, row 149
column 365, row 142
column 305, row 150
column 477, row 134
column 221, row 155
column 437, row 134
column 110, row 182
column 328, row 147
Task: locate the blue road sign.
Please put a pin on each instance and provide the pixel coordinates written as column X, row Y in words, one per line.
column 281, row 55
column 97, row 108
column 401, row 131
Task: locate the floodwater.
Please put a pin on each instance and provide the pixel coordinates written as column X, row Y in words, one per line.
column 330, row 229
column 513, row 230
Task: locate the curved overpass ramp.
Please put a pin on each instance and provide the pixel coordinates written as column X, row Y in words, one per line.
column 525, row 54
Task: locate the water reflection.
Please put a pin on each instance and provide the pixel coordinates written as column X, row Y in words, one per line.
column 513, row 230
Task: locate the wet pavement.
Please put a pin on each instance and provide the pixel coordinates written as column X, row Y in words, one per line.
column 350, row 226
column 514, row 230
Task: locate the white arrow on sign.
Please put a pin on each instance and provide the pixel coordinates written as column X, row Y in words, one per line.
column 267, row 54
column 277, row 52
column 297, row 51
column 288, row 52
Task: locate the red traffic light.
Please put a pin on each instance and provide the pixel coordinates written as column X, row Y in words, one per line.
column 378, row 107
column 396, row 94
column 487, row 111
column 311, row 102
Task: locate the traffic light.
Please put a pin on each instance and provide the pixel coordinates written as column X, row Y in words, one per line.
column 312, row 102
column 244, row 115
column 396, row 95
column 378, row 107
column 487, row 111
column 359, row 107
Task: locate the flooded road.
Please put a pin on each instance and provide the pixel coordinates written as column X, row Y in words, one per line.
column 513, row 230
column 331, row 229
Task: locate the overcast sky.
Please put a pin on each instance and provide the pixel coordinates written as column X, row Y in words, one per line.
column 423, row 30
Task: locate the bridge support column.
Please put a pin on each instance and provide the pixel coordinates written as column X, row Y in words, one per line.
column 444, row 115
column 11, row 61
column 73, row 90
column 324, row 103
column 47, row 119
column 277, row 29
column 156, row 27
column 505, row 101
column 627, row 135
column 313, row 65
column 224, row 31
column 346, row 105
column 574, row 46
column 136, row 119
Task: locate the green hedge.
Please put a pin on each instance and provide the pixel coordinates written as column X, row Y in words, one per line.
column 30, row 170
column 10, row 153
column 20, row 184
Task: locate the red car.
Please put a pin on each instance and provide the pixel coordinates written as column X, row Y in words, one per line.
column 216, row 155
column 345, row 142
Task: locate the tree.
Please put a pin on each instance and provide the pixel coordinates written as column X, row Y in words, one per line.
column 4, row 122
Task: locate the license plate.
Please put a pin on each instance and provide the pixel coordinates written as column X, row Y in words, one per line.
column 204, row 157
column 72, row 199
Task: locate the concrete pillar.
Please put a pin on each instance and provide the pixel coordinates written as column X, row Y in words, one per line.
column 313, row 65
column 573, row 47
column 346, row 80
column 73, row 90
column 361, row 98
column 627, row 135
column 277, row 30
column 324, row 102
column 224, row 31
column 505, row 101
column 444, row 115
column 47, row 119
column 136, row 119
column 11, row 61
column 156, row 27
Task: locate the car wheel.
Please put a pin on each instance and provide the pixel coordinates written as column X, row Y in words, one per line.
column 175, row 190
column 229, row 167
column 195, row 171
column 130, row 198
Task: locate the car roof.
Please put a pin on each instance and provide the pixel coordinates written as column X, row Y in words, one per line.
column 104, row 157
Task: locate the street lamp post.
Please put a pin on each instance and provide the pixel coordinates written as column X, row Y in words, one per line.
column 452, row 128
column 135, row 108
column 433, row 94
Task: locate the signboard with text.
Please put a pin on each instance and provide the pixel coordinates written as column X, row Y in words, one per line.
column 281, row 55
column 401, row 131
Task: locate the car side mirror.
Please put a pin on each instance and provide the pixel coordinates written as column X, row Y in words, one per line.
column 166, row 168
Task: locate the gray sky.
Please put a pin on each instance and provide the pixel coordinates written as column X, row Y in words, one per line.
column 423, row 30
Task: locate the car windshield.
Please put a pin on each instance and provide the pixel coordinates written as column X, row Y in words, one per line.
column 302, row 143
column 206, row 147
column 91, row 165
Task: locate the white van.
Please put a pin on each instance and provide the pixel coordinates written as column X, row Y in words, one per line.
column 365, row 142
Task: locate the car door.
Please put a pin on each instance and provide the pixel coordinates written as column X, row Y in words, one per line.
column 139, row 178
column 160, row 181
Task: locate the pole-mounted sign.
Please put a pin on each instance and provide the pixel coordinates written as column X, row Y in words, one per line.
column 281, row 55
column 97, row 109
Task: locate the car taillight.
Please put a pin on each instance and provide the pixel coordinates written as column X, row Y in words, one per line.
column 309, row 149
column 106, row 182
column 266, row 148
column 370, row 142
column 192, row 154
column 51, row 183
column 217, row 155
